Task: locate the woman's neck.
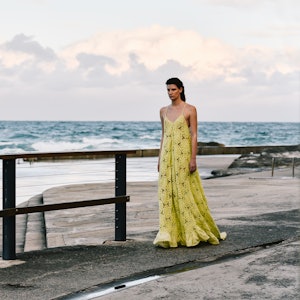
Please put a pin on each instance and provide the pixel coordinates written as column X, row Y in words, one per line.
column 177, row 102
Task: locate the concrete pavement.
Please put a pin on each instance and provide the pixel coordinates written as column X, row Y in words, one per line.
column 259, row 259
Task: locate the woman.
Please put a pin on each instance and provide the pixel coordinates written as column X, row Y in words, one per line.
column 184, row 217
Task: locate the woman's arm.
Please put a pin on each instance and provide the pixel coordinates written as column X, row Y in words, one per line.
column 194, row 133
column 161, row 114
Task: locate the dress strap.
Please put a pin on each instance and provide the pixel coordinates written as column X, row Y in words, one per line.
column 183, row 108
column 166, row 111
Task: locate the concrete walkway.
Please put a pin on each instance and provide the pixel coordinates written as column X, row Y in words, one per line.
column 259, row 260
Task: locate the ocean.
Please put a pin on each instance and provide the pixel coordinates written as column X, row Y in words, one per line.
column 43, row 136
column 50, row 136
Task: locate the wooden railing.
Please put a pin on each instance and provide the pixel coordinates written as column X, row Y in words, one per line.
column 10, row 210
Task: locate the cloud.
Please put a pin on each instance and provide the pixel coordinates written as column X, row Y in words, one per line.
column 133, row 65
column 24, row 44
column 282, row 32
column 146, row 51
column 153, row 47
column 201, row 58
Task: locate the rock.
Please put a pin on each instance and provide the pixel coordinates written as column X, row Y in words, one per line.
column 254, row 162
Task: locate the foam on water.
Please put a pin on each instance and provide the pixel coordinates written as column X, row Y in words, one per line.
column 20, row 136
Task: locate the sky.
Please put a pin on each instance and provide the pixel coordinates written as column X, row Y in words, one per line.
column 97, row 60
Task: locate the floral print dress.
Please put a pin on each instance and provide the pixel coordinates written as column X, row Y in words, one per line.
column 184, row 216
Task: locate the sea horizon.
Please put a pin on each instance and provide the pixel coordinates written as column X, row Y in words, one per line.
column 201, row 121
column 53, row 136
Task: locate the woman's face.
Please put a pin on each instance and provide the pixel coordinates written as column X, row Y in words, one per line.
column 173, row 91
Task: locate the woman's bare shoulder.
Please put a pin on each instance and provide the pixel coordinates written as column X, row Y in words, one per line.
column 163, row 110
column 191, row 108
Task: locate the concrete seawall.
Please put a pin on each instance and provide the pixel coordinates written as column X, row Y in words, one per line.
column 219, row 149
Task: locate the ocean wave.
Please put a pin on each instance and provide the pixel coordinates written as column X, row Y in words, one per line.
column 53, row 146
column 14, row 150
column 48, row 136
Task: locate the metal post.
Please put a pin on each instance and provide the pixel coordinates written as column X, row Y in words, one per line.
column 120, row 190
column 9, row 201
column 273, row 164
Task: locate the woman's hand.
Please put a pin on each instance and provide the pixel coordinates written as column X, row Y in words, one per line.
column 193, row 165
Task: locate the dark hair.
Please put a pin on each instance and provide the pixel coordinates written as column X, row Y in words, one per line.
column 179, row 84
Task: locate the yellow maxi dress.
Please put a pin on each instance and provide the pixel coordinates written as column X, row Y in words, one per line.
column 184, row 216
